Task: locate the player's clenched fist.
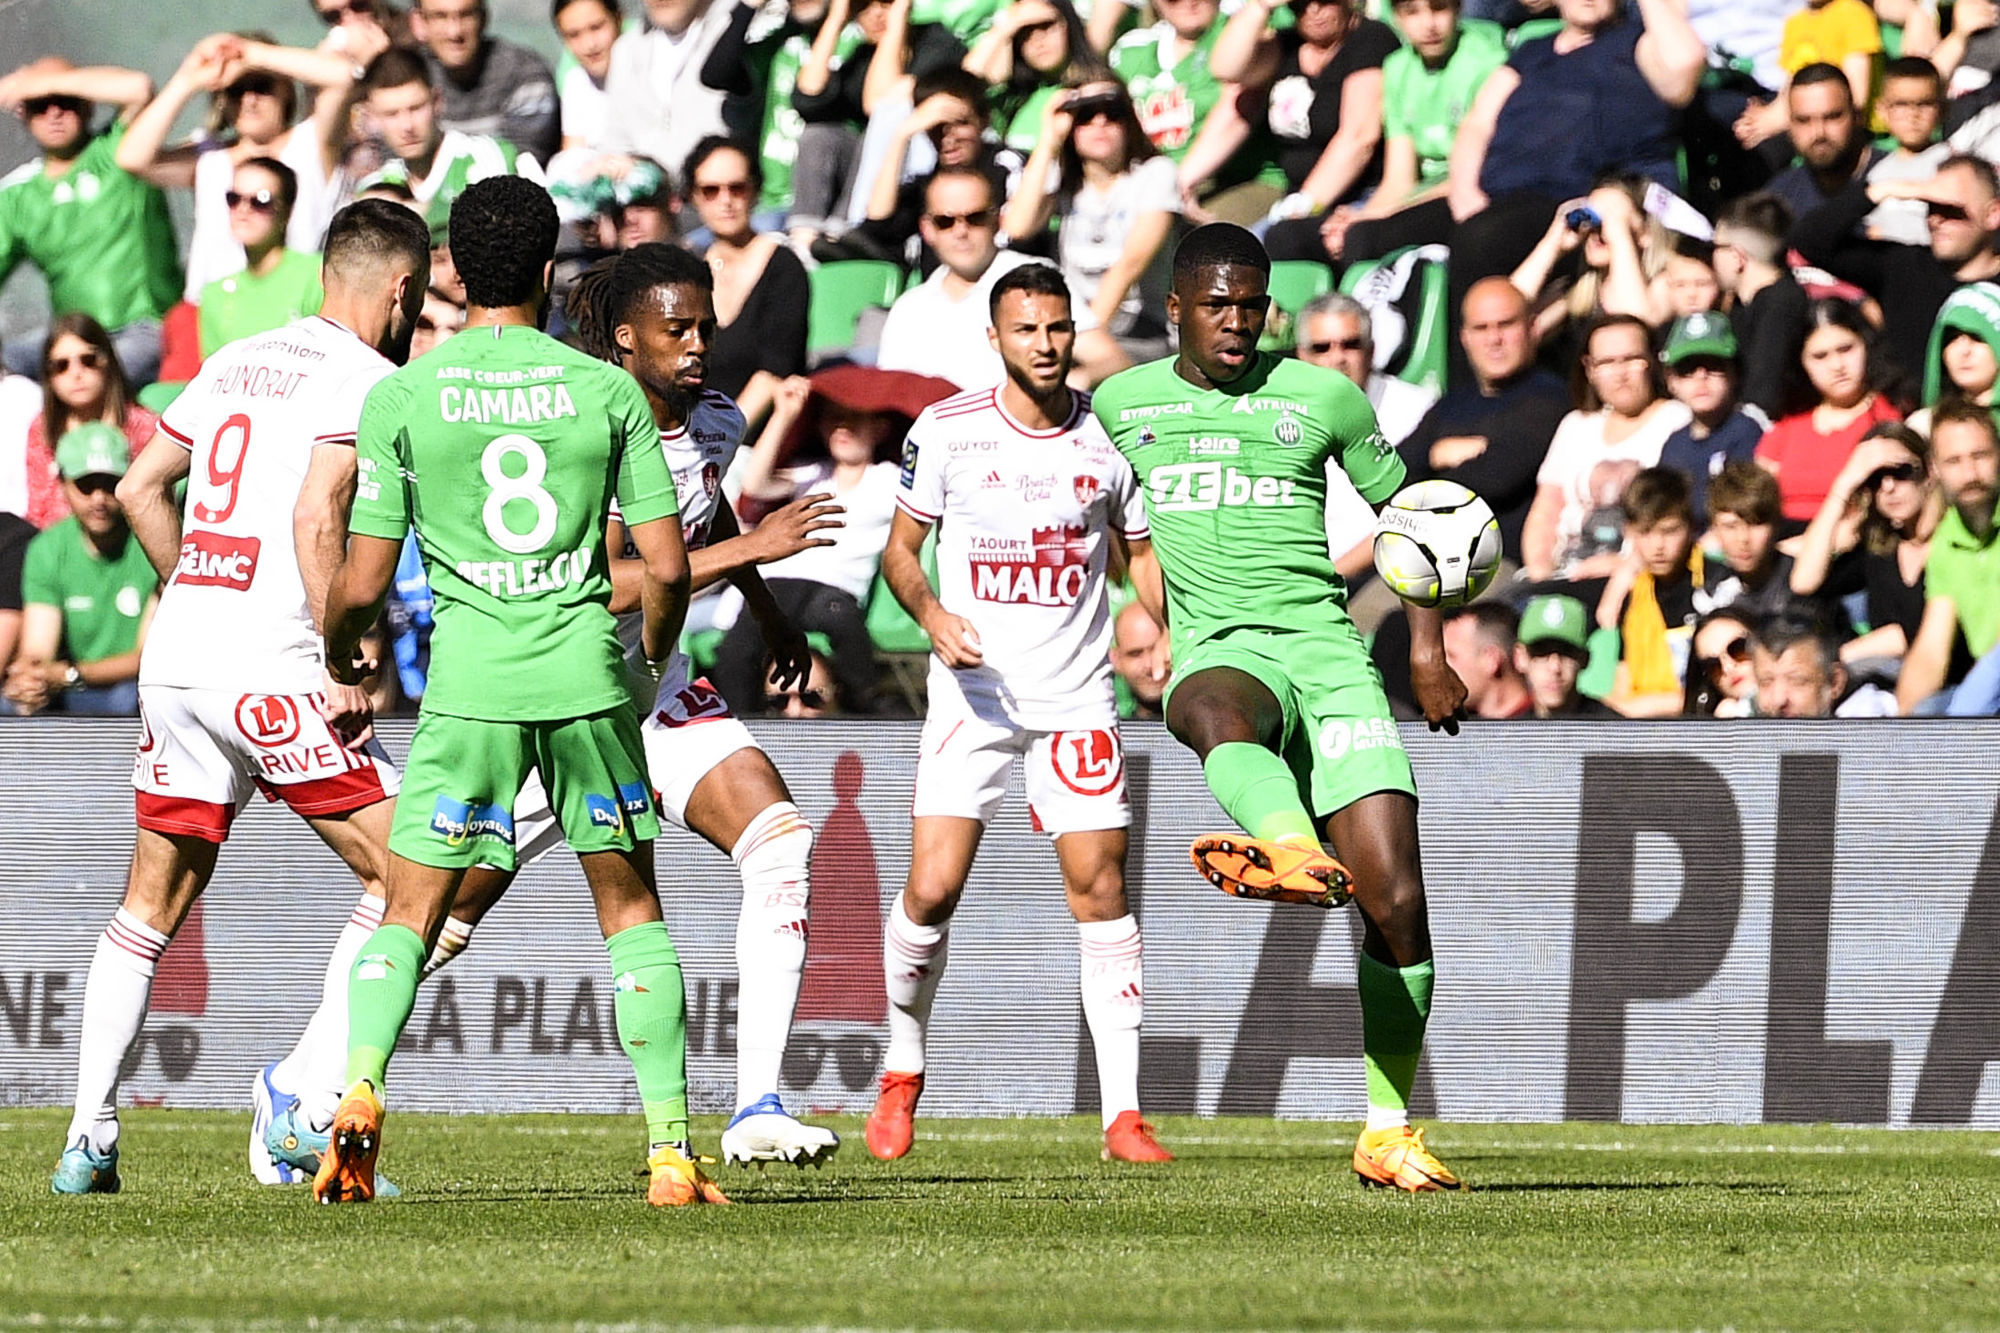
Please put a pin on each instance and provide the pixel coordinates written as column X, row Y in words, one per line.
column 953, row 639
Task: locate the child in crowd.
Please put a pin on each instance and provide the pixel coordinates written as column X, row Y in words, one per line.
column 1766, row 304
column 1700, row 357
column 1964, row 356
column 1912, row 106
column 1652, row 600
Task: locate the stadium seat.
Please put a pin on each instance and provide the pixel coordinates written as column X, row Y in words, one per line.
column 1294, row 283
column 1600, row 675
column 840, row 292
column 1423, row 351
column 899, row 641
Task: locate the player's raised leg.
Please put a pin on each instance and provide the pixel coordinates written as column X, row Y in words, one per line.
column 168, row 873
column 916, row 941
column 1234, row 723
column 1112, row 981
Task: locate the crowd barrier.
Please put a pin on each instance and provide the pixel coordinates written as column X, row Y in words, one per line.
column 1723, row 922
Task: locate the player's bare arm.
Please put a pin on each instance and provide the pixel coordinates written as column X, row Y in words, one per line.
column 319, row 534
column 147, row 492
column 354, row 600
column 953, row 638
column 664, row 591
column 1439, row 691
column 1142, row 566
column 735, row 555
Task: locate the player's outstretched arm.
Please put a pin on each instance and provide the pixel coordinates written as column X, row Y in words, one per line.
column 147, row 492
column 737, row 554
column 1439, row 691
column 354, row 600
column 664, row 591
column 319, row 521
column 953, row 638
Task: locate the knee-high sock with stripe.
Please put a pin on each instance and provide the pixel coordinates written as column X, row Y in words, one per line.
column 1113, row 984
column 317, row 1066
column 114, row 1011
column 651, row 1007
column 1395, row 1007
column 381, row 992
column 774, row 857
column 913, row 959
column 1258, row 791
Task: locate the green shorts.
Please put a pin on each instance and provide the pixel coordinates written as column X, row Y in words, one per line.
column 456, row 808
column 1339, row 738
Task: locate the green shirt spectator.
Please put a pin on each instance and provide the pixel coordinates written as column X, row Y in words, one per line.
column 249, row 302
column 1190, row 115
column 1966, row 568
column 1423, row 101
column 87, row 591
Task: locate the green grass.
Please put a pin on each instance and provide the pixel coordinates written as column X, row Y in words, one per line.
column 538, row 1221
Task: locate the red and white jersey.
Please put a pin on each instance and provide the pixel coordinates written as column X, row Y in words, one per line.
column 234, row 615
column 1023, row 516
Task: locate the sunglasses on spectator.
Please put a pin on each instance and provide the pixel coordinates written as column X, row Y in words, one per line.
column 95, row 482
column 713, row 190
column 261, row 84
column 35, row 106
column 1947, row 212
column 331, row 17
column 1336, row 344
column 1737, row 649
column 1087, row 109
column 59, row 365
column 1900, row 472
column 978, row 221
column 261, row 202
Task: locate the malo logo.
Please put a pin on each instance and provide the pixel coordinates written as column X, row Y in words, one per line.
column 209, row 559
column 1049, row 573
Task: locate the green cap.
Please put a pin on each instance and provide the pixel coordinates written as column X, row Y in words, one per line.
column 1701, row 334
column 93, row 449
column 1555, row 622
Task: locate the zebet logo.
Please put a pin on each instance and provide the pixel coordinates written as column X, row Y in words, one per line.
column 1196, row 486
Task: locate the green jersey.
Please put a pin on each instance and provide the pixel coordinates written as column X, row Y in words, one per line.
column 100, row 235
column 779, row 57
column 243, row 304
column 1173, row 98
column 102, row 595
column 504, row 449
column 1425, row 105
column 1235, row 485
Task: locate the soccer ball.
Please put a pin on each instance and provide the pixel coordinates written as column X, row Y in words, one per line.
column 1437, row 544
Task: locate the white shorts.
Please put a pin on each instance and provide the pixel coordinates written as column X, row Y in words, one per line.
column 202, row 752
column 1075, row 780
column 688, row 734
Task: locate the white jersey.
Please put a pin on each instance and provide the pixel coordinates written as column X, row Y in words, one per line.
column 1023, row 517
column 234, row 615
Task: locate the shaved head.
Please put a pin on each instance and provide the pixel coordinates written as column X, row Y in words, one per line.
column 1495, row 331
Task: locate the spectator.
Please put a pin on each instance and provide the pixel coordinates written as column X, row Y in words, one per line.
column 15, row 534
column 1426, row 89
column 1599, row 96
column 635, row 207
column 758, row 79
column 1552, row 648
column 829, row 97
column 99, row 234
column 1969, row 55
column 440, row 318
column 437, row 163
column 1321, row 82
column 1721, row 681
column 761, row 293
column 355, row 27
column 1034, row 50
column 487, row 87
column 82, row 381
column 839, row 434
column 253, row 93
column 87, row 591
column 1800, row 675
column 589, row 29
column 1700, row 357
column 940, row 327
column 1336, row 332
column 950, row 115
column 1963, row 203
column 1757, row 576
column 1135, row 645
column 1575, row 527
column 1839, row 34
column 659, row 108
column 1964, row 356
column 1962, row 571
column 1492, row 435
column 1116, row 201
column 1688, row 281
column 20, row 404
column 1480, row 646
column 1767, row 305
column 1653, row 600
column 1832, row 142
column 1624, row 250
column 1807, row 449
column 1195, row 117
column 1872, row 536
column 277, row 284
column 1912, row 106
column 817, row 696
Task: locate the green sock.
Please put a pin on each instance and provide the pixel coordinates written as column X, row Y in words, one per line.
column 652, row 1022
column 381, row 992
column 1258, row 791
column 1395, row 1005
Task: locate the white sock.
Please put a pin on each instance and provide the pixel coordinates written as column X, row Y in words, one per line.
column 773, row 856
column 1387, row 1117
column 316, row 1069
column 451, row 943
column 913, row 959
column 1112, row 979
column 114, row 1012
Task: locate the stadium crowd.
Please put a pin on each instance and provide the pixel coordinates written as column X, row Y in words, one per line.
column 1704, row 301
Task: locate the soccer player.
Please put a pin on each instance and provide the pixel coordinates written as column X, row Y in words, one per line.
column 234, row 694
column 503, row 450
column 1272, row 686
column 1031, row 497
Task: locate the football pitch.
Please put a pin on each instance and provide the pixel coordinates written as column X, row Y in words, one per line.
column 538, row 1222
